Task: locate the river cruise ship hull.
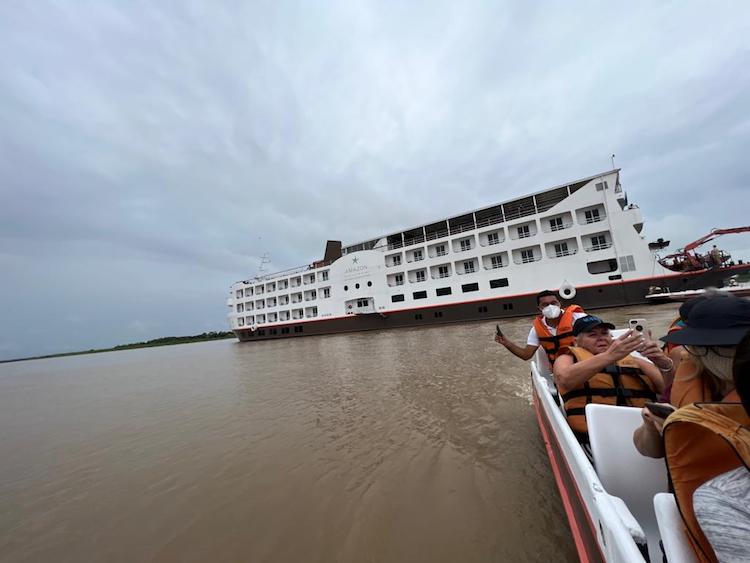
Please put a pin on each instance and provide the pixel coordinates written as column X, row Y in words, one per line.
column 582, row 237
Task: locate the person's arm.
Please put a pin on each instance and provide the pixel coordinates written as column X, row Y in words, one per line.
column 525, row 352
column 647, row 437
column 654, row 372
column 571, row 375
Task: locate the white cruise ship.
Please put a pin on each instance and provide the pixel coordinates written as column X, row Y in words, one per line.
column 581, row 236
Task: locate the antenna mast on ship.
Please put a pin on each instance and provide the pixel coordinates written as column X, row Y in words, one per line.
column 262, row 267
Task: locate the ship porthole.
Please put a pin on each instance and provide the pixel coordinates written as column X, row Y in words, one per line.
column 369, row 284
column 356, row 286
column 346, row 288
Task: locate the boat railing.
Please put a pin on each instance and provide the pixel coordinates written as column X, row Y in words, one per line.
column 526, row 260
column 612, row 534
column 595, row 247
column 552, row 228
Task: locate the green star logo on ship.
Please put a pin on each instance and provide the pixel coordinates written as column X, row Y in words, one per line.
column 355, row 260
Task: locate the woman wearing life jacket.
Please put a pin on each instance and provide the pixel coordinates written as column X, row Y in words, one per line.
column 599, row 369
column 722, row 504
column 552, row 328
column 705, row 372
column 676, row 352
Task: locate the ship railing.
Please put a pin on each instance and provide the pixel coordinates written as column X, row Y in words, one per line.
column 595, row 247
column 555, row 227
column 495, row 266
column 526, row 260
column 564, row 253
column 437, row 234
column 590, row 220
column 492, row 220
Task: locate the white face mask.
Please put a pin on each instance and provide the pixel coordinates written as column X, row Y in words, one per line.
column 551, row 311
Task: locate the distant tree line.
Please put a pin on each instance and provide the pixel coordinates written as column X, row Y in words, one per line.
column 164, row 341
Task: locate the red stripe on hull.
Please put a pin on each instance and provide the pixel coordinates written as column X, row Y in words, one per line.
column 581, row 526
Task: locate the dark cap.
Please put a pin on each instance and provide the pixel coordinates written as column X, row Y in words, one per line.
column 720, row 320
column 588, row 323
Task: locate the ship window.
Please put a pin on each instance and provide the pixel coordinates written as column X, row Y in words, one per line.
column 397, row 260
column 240, row 322
column 362, row 302
column 600, row 186
column 465, row 245
column 273, row 331
column 285, row 330
column 440, row 250
column 418, row 316
column 627, row 263
column 507, row 306
column 369, row 284
column 239, row 293
column 346, row 288
column 443, row 272
column 324, row 275
column 493, row 238
column 599, row 242
column 399, row 279
column 561, row 249
column 419, row 295
column 420, row 276
column 592, row 216
column 482, row 309
column 240, row 307
column 356, row 286
column 438, row 314
column 500, row 282
column 524, row 232
column 497, row 262
column 602, row 266
column 397, row 298
column 298, row 328
column 326, row 292
column 418, row 255
column 261, row 332
column 469, row 267
column 440, row 291
column 527, row 256
column 468, row 287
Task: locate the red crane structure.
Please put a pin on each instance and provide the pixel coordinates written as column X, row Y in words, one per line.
column 688, row 260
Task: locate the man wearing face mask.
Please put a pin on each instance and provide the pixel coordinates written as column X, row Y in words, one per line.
column 552, row 329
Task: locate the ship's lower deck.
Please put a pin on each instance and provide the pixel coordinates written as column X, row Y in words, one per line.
column 613, row 294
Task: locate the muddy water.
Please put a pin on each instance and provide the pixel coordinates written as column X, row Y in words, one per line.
column 404, row 445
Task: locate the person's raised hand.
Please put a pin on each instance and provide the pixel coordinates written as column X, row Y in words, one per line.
column 623, row 345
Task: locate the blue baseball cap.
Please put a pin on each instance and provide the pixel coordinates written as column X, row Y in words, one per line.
column 588, row 323
column 719, row 320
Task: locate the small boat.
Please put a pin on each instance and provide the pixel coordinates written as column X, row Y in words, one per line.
column 659, row 295
column 617, row 503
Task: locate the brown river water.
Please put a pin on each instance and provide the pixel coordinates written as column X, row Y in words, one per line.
column 391, row 446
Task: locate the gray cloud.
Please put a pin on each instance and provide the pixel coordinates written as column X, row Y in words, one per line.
column 151, row 153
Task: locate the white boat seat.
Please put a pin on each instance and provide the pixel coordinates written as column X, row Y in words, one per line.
column 673, row 536
column 622, row 470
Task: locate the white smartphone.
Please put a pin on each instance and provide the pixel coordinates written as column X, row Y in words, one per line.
column 640, row 326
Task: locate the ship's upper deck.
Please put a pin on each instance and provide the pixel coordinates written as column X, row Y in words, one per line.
column 532, row 204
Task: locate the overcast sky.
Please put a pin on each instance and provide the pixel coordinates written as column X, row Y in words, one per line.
column 151, row 152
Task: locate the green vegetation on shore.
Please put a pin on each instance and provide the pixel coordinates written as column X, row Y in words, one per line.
column 164, row 341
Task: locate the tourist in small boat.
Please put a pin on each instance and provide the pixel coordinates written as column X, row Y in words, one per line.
column 676, row 352
column 722, row 504
column 552, row 329
column 599, row 369
column 714, row 326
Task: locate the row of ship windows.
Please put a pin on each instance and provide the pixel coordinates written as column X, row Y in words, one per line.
column 294, row 314
column 281, row 285
column 309, row 295
column 500, row 260
column 443, row 291
column 274, row 331
column 529, row 228
column 563, row 247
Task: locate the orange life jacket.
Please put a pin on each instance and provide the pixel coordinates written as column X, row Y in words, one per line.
column 702, row 441
column 621, row 384
column 554, row 344
column 689, row 388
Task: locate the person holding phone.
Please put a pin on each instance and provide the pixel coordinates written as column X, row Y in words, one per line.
column 600, row 369
column 714, row 326
column 552, row 328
